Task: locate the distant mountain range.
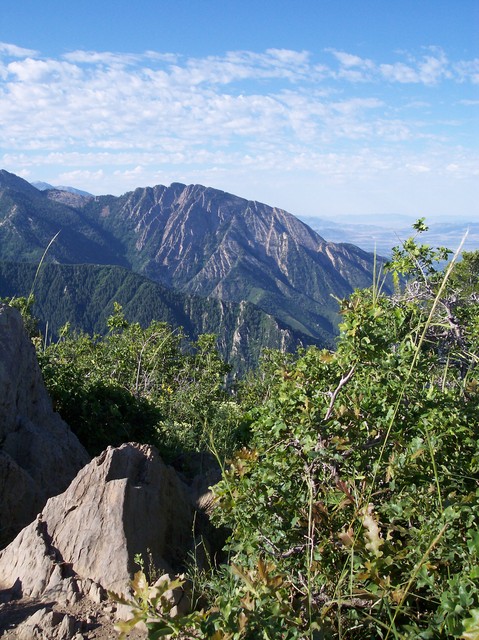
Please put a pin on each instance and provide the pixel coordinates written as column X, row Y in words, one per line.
column 202, row 245
column 44, row 186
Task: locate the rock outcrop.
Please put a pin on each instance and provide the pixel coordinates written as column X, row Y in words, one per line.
column 55, row 574
column 39, row 455
column 125, row 502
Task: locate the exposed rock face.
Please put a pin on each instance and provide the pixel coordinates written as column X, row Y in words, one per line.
column 39, row 455
column 48, row 625
column 125, row 502
column 211, row 243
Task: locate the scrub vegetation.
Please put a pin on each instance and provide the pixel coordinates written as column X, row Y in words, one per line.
column 350, row 486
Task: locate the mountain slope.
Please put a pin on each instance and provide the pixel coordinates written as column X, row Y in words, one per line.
column 83, row 295
column 210, row 243
column 29, row 220
column 193, row 239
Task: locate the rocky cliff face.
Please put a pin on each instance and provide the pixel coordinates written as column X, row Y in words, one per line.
column 204, row 241
column 196, row 240
column 39, row 455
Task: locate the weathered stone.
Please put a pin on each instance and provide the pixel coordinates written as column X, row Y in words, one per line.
column 21, row 498
column 125, row 502
column 39, row 455
column 47, row 625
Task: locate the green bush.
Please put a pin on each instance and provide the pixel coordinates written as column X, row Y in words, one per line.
column 143, row 384
column 354, row 512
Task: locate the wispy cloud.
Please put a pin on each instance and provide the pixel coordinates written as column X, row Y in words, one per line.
column 429, row 70
column 468, row 70
column 12, row 51
column 119, row 118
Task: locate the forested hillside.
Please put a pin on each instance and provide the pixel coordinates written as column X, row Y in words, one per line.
column 84, row 295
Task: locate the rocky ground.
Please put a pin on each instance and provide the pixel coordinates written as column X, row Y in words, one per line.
column 37, row 619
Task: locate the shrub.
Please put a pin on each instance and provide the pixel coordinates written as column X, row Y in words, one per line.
column 145, row 384
column 354, row 512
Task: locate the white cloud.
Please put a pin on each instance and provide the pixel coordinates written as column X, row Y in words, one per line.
column 353, row 68
column 12, row 51
column 433, row 68
column 79, row 177
column 468, row 70
column 351, row 60
column 399, row 72
column 31, row 70
column 418, row 168
column 121, row 119
column 430, row 70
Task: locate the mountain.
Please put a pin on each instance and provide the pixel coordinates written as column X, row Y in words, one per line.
column 83, row 295
column 195, row 240
column 43, row 186
column 207, row 242
column 29, row 220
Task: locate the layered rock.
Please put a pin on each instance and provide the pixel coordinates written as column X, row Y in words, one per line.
column 125, row 502
column 39, row 455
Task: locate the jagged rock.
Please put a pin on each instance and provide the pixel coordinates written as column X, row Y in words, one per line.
column 20, row 497
column 39, row 455
column 47, row 625
column 125, row 502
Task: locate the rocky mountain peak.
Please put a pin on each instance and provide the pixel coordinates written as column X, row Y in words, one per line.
column 197, row 240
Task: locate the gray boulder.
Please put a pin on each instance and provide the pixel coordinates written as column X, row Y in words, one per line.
column 39, row 454
column 125, row 502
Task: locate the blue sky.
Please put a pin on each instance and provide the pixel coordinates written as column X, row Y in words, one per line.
column 329, row 108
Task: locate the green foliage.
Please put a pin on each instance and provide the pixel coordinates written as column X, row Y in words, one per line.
column 143, row 384
column 418, row 261
column 152, row 605
column 358, row 495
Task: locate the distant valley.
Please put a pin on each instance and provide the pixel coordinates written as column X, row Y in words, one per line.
column 381, row 234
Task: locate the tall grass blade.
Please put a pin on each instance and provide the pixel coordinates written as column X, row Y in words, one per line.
column 30, row 295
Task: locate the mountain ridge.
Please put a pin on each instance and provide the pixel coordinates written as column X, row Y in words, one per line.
column 196, row 240
column 208, row 242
